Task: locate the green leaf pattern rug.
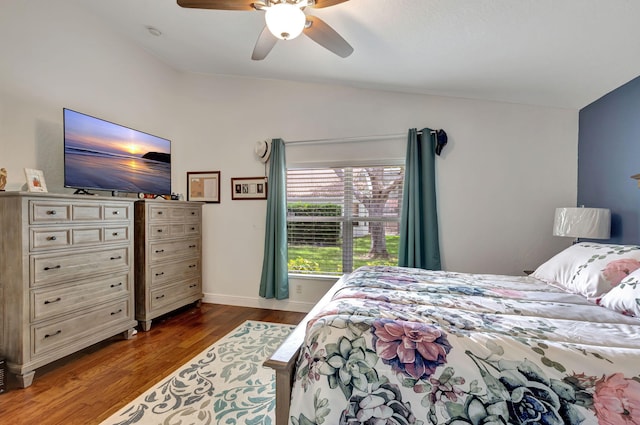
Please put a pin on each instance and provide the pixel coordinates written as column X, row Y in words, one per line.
column 224, row 384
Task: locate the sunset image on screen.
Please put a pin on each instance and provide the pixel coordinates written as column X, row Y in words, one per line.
column 103, row 155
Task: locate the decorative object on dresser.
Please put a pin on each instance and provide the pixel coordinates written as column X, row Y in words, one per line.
column 203, row 186
column 3, row 178
column 35, row 180
column 168, row 272
column 66, row 270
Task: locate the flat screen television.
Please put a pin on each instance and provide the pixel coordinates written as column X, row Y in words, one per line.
column 101, row 155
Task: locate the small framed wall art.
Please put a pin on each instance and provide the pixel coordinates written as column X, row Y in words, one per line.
column 248, row 188
column 35, row 180
column 203, row 186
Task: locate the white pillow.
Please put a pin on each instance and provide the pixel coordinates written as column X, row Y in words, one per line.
column 590, row 269
column 624, row 298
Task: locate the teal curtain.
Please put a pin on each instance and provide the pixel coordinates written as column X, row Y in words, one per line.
column 274, row 282
column 419, row 243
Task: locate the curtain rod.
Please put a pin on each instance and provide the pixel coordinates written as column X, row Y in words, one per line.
column 349, row 139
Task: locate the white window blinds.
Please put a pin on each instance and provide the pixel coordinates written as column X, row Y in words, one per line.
column 339, row 218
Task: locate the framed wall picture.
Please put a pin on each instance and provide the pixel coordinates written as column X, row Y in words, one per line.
column 35, row 180
column 248, row 188
column 203, row 186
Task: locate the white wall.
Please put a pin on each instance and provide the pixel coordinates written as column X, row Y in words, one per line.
column 504, row 171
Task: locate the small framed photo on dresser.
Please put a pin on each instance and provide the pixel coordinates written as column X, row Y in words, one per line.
column 35, row 180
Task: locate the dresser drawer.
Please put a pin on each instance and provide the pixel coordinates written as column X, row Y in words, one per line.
column 53, row 268
column 42, row 212
column 159, row 213
column 170, row 272
column 167, row 295
column 192, row 213
column 192, row 229
column 116, row 234
column 177, row 214
column 43, row 238
column 86, row 212
column 62, row 333
column 53, row 301
column 117, row 212
column 160, row 251
column 49, row 238
column 87, row 236
column 159, row 231
column 49, row 212
column 171, row 230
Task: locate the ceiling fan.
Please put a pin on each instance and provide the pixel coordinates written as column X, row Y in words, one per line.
column 285, row 20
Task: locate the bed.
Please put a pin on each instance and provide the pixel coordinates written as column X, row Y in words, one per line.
column 391, row 345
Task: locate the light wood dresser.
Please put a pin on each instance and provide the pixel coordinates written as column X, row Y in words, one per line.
column 168, row 256
column 66, row 276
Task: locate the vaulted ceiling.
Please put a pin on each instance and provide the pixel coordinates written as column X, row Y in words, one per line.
column 561, row 53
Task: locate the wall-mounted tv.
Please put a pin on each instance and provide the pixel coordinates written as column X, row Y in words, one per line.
column 101, row 155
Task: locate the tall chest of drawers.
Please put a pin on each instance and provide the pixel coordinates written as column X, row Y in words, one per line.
column 66, row 276
column 168, row 256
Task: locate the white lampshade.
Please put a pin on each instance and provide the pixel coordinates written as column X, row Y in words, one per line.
column 589, row 223
column 285, row 21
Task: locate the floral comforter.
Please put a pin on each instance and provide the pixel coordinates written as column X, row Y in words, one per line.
column 408, row 346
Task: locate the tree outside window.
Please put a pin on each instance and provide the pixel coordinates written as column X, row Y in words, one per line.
column 343, row 218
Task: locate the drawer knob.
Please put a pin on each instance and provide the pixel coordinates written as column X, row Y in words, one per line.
column 159, row 251
column 52, row 212
column 52, row 268
column 160, row 297
column 53, row 301
column 159, row 230
column 193, row 213
column 193, row 286
column 116, row 212
column 52, row 238
column 192, row 266
column 114, row 234
column 192, row 246
column 116, row 258
column 160, row 274
column 193, row 228
column 115, row 285
column 159, row 212
column 58, row 332
column 113, row 313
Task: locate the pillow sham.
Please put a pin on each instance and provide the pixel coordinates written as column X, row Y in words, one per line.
column 624, row 298
column 590, row 269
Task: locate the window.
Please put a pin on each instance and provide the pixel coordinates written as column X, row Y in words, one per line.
column 339, row 219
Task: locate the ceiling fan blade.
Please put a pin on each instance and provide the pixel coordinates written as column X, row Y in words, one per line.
column 217, row 4
column 265, row 43
column 319, row 4
column 327, row 37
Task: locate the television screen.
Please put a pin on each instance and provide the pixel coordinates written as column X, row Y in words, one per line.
column 102, row 155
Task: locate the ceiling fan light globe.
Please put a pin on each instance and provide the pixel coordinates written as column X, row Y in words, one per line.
column 285, row 21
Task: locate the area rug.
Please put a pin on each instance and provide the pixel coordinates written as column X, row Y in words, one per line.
column 225, row 384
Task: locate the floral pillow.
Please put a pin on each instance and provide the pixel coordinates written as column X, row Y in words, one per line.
column 624, row 298
column 590, row 269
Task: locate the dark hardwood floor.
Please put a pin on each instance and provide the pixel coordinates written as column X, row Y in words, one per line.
column 89, row 386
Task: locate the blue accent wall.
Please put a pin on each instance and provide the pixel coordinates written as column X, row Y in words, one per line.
column 608, row 155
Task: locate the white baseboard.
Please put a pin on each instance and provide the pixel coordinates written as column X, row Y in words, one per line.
column 286, row 305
